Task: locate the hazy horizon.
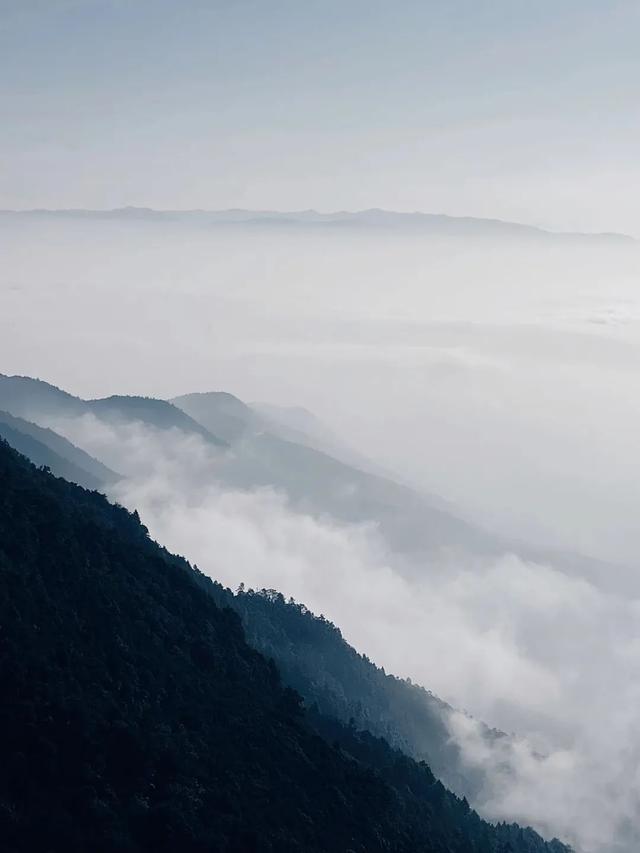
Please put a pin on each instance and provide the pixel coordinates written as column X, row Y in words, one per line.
column 506, row 110
column 328, row 214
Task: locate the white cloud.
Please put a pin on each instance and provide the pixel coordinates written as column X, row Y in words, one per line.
column 519, row 645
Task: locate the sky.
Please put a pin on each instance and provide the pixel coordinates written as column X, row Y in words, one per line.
column 516, row 110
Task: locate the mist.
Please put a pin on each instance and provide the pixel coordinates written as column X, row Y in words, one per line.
column 522, row 646
column 498, row 374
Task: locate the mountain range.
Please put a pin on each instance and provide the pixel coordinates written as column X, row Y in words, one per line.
column 253, row 446
column 262, row 454
column 48, row 449
column 256, row 450
column 136, row 717
column 435, row 224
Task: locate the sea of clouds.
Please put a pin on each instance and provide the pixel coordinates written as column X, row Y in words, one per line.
column 550, row 658
column 503, row 378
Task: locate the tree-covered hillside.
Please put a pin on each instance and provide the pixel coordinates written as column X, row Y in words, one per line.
column 135, row 717
column 44, row 456
column 45, row 447
column 314, row 658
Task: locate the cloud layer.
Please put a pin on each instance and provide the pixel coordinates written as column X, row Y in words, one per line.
column 520, row 646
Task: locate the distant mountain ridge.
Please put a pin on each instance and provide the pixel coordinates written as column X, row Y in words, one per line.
column 265, row 455
column 416, row 221
column 43, row 456
column 65, row 459
column 31, row 399
column 257, row 453
column 313, row 480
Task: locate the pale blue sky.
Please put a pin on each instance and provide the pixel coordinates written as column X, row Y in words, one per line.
column 521, row 110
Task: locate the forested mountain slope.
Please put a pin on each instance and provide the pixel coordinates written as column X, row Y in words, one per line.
column 135, row 717
column 44, row 456
column 96, row 474
column 314, row 659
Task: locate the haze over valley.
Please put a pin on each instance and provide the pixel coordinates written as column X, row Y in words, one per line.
column 405, row 431
column 319, row 418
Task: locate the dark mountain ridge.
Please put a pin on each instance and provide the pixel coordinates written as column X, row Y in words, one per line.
column 135, row 717
column 331, row 676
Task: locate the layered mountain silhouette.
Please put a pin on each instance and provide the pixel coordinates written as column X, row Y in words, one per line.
column 312, row 480
column 36, row 400
column 255, row 450
column 428, row 224
column 311, row 653
column 251, row 446
column 315, row 482
column 290, row 423
column 326, row 479
column 46, row 448
column 136, row 717
column 221, row 413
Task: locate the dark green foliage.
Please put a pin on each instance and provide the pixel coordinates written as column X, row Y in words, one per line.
column 44, row 457
column 135, row 717
column 314, row 658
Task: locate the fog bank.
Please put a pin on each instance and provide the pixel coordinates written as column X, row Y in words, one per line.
column 502, row 375
column 519, row 645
